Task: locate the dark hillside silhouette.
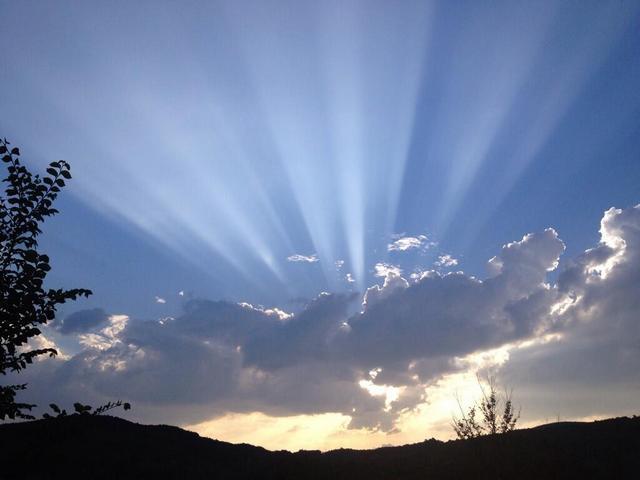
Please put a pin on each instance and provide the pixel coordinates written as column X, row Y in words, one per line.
column 86, row 446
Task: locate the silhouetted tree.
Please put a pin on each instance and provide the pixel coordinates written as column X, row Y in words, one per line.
column 24, row 303
column 497, row 415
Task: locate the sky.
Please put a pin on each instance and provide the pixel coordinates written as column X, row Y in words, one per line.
column 312, row 224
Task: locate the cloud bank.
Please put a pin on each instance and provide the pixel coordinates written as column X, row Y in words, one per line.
column 375, row 364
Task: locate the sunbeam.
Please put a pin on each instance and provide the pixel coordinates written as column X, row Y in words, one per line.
column 321, row 128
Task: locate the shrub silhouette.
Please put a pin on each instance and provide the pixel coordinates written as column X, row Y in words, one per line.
column 493, row 414
column 24, row 303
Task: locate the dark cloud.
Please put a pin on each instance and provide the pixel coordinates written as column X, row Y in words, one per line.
column 81, row 321
column 454, row 314
column 219, row 356
column 306, row 338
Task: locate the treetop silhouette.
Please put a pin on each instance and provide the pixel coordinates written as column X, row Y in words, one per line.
column 492, row 414
column 24, row 302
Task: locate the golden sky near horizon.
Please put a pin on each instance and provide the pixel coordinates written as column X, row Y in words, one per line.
column 328, row 431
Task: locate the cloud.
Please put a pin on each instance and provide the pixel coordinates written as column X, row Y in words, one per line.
column 160, row 300
column 107, row 337
column 81, row 321
column 392, row 282
column 454, row 314
column 385, row 269
column 303, row 258
column 404, row 243
column 42, row 342
column 446, row 261
column 221, row 357
column 280, row 314
column 594, row 363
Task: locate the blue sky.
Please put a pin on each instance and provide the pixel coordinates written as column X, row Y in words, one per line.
column 211, row 142
column 322, row 127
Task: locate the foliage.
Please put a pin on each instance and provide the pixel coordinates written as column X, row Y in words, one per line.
column 24, row 303
column 493, row 414
column 81, row 409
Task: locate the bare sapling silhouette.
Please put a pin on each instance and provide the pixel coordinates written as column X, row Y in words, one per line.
column 494, row 413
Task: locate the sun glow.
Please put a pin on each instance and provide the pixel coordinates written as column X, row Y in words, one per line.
column 429, row 419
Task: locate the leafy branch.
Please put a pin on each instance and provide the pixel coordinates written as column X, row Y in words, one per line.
column 24, row 302
column 81, row 409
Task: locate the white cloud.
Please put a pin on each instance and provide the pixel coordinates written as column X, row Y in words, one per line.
column 404, row 243
column 385, row 269
column 160, row 300
column 392, row 281
column 107, row 337
column 42, row 342
column 303, row 258
column 274, row 311
column 419, row 274
column 446, row 261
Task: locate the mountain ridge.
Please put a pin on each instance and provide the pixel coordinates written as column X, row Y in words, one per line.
column 110, row 447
